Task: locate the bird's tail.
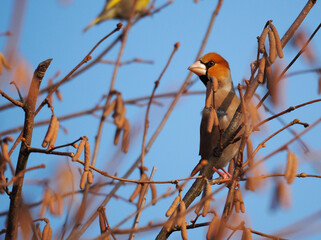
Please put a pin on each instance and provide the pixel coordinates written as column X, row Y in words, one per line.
column 94, row 22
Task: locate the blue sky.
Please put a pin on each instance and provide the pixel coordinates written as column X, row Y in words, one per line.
column 54, row 30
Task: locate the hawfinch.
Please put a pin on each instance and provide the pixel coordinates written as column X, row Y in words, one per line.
column 212, row 67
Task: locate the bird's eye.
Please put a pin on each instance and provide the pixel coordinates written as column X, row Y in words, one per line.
column 210, row 64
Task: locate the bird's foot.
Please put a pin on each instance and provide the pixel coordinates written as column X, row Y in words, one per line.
column 224, row 174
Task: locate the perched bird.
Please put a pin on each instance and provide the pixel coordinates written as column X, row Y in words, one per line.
column 212, row 67
column 118, row 9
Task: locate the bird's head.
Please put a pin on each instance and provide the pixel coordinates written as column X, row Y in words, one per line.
column 212, row 65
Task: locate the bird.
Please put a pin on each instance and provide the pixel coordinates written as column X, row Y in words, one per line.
column 213, row 67
column 118, row 9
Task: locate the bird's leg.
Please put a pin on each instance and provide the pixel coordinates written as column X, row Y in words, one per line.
column 224, row 174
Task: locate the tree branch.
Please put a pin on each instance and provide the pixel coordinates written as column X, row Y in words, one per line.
column 29, row 108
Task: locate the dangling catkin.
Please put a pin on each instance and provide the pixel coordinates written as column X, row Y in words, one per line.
column 262, row 40
column 171, row 222
column 102, row 223
column 136, row 192
column 117, row 135
column 79, row 149
column 209, row 95
column 199, row 166
column 47, row 232
column 120, row 118
column 211, row 120
column 272, row 50
column 125, row 139
column 5, row 152
column 237, row 203
column 50, row 131
column 53, row 139
column 242, row 202
column 83, row 179
column 173, row 206
column 291, row 167
column 110, row 108
column 142, row 191
column 181, row 220
column 214, row 83
column 250, row 184
column 277, row 41
column 249, row 150
column 247, row 235
column 207, row 193
column 90, row 178
column 213, row 228
column 154, row 193
column 87, row 156
column 260, row 74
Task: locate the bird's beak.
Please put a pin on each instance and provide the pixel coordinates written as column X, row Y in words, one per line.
column 198, row 68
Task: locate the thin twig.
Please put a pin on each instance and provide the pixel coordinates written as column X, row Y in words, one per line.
column 140, row 208
column 290, row 109
column 146, row 125
column 284, row 146
column 135, row 60
column 296, row 121
column 13, row 101
column 75, row 233
column 92, row 110
column 21, row 174
column 18, row 91
column 52, row 89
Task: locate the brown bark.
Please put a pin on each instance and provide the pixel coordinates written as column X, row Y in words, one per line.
column 29, row 108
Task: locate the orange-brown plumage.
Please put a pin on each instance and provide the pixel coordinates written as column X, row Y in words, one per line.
column 221, row 67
